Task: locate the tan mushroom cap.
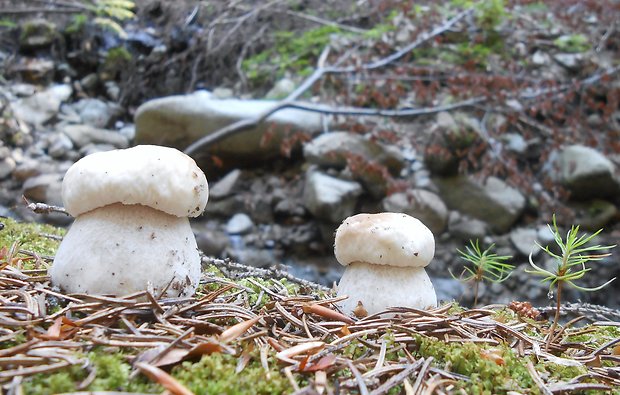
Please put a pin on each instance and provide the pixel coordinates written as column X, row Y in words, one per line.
column 393, row 239
column 162, row 178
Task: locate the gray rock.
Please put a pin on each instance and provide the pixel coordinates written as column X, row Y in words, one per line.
column 225, row 186
column 42, row 106
column 27, row 169
column 223, row 93
column 37, row 33
column 59, row 146
column 493, row 201
column 90, row 81
column 90, row 149
column 45, row 188
column 83, row 135
column 524, row 240
column 212, row 242
column 514, row 143
column 465, row 228
column 571, row 61
column 424, row 205
column 447, row 289
column 240, row 223
column 225, row 207
column 129, row 131
column 23, row 90
column 179, row 121
column 254, row 257
column 585, row 172
column 281, row 89
column 95, row 112
column 594, row 214
column 112, row 90
column 329, row 198
column 7, row 166
column 336, row 148
column 341, row 149
column 541, row 58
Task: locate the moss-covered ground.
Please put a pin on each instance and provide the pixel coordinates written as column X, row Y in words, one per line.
column 476, row 351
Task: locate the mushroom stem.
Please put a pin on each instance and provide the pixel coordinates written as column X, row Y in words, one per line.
column 120, row 249
column 381, row 286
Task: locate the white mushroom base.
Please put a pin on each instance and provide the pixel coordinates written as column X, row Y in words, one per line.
column 120, row 249
column 380, row 286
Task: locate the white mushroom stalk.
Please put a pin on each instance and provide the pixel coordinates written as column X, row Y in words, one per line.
column 385, row 255
column 131, row 231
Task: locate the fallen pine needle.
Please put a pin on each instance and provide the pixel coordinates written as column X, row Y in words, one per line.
column 163, row 378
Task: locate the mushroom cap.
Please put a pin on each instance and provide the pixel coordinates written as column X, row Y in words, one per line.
column 162, row 178
column 393, row 239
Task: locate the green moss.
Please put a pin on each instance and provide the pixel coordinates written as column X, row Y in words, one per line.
column 116, row 60
column 290, row 53
column 78, row 22
column 112, row 374
column 216, row 374
column 30, row 236
column 573, row 43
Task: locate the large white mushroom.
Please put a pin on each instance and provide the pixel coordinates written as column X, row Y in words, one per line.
column 131, row 230
column 385, row 255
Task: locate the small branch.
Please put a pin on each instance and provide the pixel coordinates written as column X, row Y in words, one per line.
column 245, row 124
column 42, row 208
column 537, row 379
column 318, row 74
column 326, row 22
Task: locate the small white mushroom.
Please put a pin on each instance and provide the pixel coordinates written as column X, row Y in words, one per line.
column 385, row 255
column 131, row 230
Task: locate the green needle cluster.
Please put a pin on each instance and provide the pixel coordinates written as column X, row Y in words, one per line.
column 571, row 262
column 483, row 265
column 570, row 265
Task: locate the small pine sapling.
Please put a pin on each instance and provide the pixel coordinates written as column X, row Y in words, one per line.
column 570, row 265
column 483, row 265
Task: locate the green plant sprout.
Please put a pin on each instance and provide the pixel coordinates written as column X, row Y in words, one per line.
column 486, row 265
column 106, row 13
column 570, row 265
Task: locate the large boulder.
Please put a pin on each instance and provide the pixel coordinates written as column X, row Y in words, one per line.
column 178, row 121
column 337, row 148
column 422, row 204
column 329, row 198
column 492, row 201
column 586, row 173
column 42, row 106
column 370, row 163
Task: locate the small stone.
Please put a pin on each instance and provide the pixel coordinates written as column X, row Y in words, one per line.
column 7, row 166
column 223, row 93
column 330, row 198
column 83, row 135
column 45, row 188
column 60, row 145
column 281, row 89
column 466, row 228
column 240, row 223
column 541, row 58
column 524, row 240
column 225, row 186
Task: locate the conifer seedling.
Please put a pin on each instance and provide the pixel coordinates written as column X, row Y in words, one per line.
column 570, row 265
column 484, row 265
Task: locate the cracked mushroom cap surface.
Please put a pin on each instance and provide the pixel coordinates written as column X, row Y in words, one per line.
column 393, row 239
column 162, row 178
